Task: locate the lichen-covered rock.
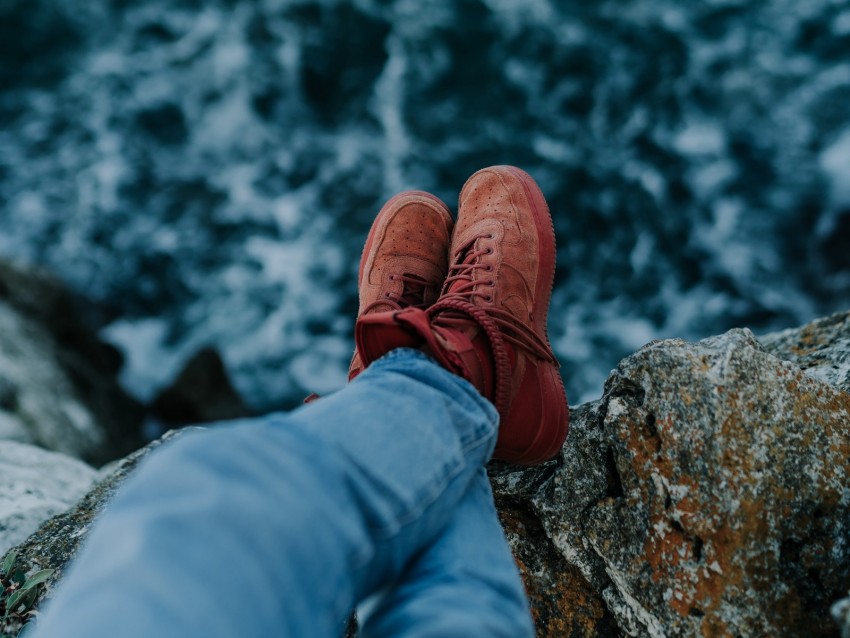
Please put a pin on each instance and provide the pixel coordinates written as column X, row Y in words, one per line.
column 820, row 348
column 564, row 601
column 704, row 494
column 34, row 485
column 733, row 511
column 58, row 385
column 563, row 579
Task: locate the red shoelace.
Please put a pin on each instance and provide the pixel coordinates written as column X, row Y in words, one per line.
column 456, row 308
column 414, row 289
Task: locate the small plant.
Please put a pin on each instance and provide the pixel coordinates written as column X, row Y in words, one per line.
column 18, row 592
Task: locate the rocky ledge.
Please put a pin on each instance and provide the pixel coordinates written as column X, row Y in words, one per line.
column 707, row 493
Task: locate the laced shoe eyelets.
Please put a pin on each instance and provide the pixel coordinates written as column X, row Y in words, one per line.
column 503, row 338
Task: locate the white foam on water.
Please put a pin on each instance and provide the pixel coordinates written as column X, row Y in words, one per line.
column 835, row 163
column 149, row 363
column 389, row 96
column 700, row 138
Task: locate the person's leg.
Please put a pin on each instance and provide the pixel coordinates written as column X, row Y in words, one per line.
column 278, row 526
column 464, row 584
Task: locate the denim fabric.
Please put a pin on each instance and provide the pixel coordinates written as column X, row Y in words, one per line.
column 278, row 526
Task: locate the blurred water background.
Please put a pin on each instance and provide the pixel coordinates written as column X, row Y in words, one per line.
column 206, row 170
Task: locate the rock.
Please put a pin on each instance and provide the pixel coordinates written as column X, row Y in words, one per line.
column 34, row 485
column 841, row 614
column 704, row 494
column 821, row 349
column 201, row 393
column 56, row 541
column 58, row 538
column 563, row 601
column 58, row 385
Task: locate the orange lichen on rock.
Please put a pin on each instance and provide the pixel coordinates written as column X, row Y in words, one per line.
column 724, row 484
column 563, row 603
column 705, row 494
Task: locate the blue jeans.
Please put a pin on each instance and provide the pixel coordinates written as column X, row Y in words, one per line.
column 279, row 526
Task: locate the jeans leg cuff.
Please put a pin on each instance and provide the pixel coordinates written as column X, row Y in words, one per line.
column 424, row 368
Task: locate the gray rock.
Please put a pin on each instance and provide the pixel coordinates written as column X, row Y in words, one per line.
column 41, row 406
column 704, row 494
column 57, row 539
column 58, row 385
column 201, row 393
column 841, row 614
column 34, row 485
column 820, row 348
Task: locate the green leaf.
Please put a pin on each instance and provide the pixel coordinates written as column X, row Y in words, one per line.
column 9, row 561
column 14, row 600
column 28, row 599
column 25, row 597
column 37, row 578
column 18, row 577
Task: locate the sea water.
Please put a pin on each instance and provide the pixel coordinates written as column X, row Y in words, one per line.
column 206, row 171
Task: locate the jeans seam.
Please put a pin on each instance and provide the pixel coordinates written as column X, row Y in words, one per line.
column 429, row 498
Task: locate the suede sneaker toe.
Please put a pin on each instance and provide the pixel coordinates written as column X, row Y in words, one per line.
column 405, row 259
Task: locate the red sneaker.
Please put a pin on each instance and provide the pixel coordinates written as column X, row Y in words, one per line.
column 489, row 324
column 405, row 258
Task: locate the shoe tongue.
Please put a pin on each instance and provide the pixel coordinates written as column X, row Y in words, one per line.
column 413, row 292
column 465, row 258
column 414, row 288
